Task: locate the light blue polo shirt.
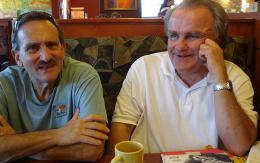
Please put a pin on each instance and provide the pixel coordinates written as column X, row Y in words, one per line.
column 79, row 87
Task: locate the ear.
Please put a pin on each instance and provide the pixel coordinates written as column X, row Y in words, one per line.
column 17, row 58
column 64, row 46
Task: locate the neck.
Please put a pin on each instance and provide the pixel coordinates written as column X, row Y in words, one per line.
column 43, row 90
column 192, row 77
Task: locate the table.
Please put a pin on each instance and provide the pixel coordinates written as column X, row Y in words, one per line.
column 148, row 158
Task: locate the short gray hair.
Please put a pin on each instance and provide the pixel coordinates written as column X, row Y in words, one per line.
column 217, row 11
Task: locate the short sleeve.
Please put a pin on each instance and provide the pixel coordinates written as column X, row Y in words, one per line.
column 90, row 95
column 244, row 96
column 243, row 91
column 130, row 105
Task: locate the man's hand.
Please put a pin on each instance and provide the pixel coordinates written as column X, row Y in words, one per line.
column 5, row 128
column 213, row 54
column 86, row 134
column 91, row 129
column 56, row 144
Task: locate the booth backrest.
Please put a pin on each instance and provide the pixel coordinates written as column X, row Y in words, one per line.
column 113, row 56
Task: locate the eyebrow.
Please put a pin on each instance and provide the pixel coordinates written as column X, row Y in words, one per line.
column 37, row 44
column 27, row 46
column 202, row 33
column 208, row 30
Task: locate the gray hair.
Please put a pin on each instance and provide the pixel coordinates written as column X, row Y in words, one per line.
column 31, row 16
column 217, row 11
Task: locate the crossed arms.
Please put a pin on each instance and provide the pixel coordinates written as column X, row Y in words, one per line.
column 79, row 140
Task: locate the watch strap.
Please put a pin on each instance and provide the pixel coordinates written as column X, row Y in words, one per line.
column 223, row 86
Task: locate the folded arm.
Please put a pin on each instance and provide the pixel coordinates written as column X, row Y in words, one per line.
column 235, row 128
column 89, row 132
column 16, row 146
column 76, row 152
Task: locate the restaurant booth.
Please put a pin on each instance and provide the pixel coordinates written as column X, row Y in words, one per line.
column 111, row 45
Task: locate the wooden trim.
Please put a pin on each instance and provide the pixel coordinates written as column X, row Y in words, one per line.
column 136, row 27
column 241, row 27
column 252, row 15
column 111, row 27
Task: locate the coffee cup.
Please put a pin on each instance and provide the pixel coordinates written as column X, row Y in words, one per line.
column 128, row 152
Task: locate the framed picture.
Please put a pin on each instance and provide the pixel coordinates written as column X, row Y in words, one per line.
column 77, row 12
column 120, row 4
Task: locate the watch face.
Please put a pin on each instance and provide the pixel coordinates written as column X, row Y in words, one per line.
column 223, row 86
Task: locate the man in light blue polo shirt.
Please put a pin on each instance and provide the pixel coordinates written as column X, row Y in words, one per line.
column 51, row 106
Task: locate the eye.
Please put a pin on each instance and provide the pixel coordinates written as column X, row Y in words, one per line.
column 173, row 36
column 52, row 45
column 32, row 48
column 194, row 36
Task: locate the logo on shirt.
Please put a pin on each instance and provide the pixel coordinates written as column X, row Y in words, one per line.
column 60, row 110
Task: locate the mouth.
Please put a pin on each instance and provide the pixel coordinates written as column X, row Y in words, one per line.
column 183, row 55
column 46, row 66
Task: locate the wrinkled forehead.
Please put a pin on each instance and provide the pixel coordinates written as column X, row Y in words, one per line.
column 191, row 18
column 38, row 25
column 37, row 31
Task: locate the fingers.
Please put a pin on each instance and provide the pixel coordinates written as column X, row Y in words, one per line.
column 214, row 58
column 95, row 134
column 91, row 129
column 95, row 118
column 90, row 140
column 204, row 48
column 210, row 49
column 203, row 59
column 96, row 127
column 101, row 127
column 211, row 42
column 212, row 46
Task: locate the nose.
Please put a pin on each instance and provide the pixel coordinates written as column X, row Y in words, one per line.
column 181, row 44
column 45, row 54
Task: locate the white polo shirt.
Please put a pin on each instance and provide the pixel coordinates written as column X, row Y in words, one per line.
column 168, row 115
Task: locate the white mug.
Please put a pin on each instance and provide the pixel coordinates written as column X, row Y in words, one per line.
column 128, row 152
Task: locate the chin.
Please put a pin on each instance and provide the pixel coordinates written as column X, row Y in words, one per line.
column 49, row 79
column 190, row 68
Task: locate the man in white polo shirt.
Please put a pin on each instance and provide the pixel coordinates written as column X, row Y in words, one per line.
column 188, row 97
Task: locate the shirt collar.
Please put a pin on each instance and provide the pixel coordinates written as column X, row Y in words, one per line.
column 167, row 67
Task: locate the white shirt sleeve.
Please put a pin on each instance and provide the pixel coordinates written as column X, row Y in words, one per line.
column 130, row 101
column 243, row 91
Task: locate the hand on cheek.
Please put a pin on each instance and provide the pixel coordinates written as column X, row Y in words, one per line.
column 213, row 56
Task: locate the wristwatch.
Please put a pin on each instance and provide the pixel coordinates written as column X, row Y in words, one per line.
column 223, row 86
